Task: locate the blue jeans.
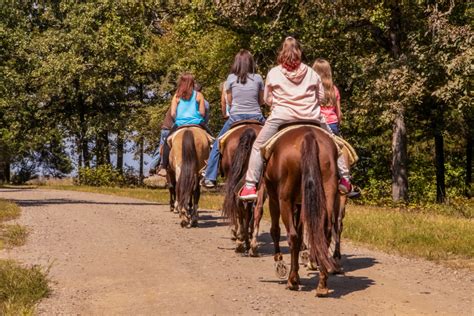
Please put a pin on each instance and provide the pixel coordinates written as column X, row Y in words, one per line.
column 157, row 157
column 335, row 128
column 214, row 157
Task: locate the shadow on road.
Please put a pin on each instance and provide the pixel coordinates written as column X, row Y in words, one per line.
column 208, row 220
column 43, row 202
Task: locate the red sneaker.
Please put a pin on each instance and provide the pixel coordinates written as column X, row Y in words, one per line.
column 345, row 186
column 248, row 193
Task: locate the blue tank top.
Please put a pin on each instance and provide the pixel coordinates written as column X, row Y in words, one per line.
column 187, row 112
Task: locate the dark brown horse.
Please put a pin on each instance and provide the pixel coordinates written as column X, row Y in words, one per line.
column 189, row 150
column 235, row 156
column 301, row 180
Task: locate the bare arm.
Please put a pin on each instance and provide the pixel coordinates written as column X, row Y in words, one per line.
column 174, row 106
column 223, row 104
column 338, row 111
column 202, row 107
column 261, row 100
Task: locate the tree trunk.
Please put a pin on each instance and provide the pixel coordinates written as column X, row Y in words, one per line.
column 140, row 148
column 106, row 147
column 438, row 126
column 98, row 150
column 469, row 151
column 399, row 160
column 399, row 137
column 3, row 163
column 78, row 151
column 439, row 154
column 120, row 149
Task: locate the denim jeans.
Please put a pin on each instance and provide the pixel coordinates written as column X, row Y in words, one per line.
column 334, row 128
column 214, row 157
column 157, row 157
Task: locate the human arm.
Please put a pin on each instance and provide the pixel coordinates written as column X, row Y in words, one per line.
column 338, row 106
column 174, row 106
column 202, row 106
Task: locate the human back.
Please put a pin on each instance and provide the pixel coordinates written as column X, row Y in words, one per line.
column 187, row 106
column 243, row 86
column 187, row 111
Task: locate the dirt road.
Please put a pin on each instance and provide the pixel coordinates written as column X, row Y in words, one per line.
column 112, row 255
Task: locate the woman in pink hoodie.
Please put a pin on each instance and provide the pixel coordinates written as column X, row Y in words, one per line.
column 294, row 92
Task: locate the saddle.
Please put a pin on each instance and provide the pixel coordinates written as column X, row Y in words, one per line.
column 236, row 126
column 194, row 127
column 342, row 145
column 300, row 122
column 245, row 122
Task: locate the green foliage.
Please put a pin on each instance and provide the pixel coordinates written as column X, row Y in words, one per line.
column 81, row 70
column 104, row 175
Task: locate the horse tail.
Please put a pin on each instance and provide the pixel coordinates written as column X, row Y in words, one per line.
column 187, row 180
column 313, row 206
column 238, row 168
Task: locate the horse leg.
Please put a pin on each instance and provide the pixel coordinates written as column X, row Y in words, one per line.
column 257, row 217
column 246, row 220
column 240, row 239
column 280, row 267
column 195, row 206
column 294, row 241
column 171, row 181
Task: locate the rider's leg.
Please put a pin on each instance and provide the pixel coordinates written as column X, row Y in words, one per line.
column 255, row 167
column 213, row 161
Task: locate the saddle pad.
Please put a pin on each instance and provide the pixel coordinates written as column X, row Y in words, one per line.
column 347, row 148
column 193, row 129
column 224, row 137
column 267, row 148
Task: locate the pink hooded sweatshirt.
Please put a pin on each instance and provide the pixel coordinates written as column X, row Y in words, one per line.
column 294, row 94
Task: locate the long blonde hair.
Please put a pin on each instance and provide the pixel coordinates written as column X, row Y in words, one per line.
column 323, row 69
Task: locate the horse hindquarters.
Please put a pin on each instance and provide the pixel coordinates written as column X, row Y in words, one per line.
column 314, row 209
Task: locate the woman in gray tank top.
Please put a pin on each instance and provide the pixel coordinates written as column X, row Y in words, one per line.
column 244, row 90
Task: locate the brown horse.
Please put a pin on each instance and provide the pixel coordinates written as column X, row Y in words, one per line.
column 189, row 150
column 301, row 180
column 235, row 156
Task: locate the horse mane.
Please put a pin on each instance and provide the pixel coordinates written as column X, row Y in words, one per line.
column 188, row 176
column 238, row 168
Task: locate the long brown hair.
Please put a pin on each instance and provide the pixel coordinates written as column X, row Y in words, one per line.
column 290, row 54
column 323, row 69
column 185, row 86
column 243, row 65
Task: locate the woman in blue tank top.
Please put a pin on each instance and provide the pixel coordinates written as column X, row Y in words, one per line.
column 187, row 108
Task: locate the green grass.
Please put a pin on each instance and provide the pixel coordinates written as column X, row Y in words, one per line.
column 444, row 239
column 420, row 232
column 20, row 287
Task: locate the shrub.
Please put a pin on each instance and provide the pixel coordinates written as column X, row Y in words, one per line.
column 103, row 175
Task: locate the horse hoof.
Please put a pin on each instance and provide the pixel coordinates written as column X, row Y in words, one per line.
column 312, row 266
column 322, row 292
column 292, row 287
column 184, row 223
column 240, row 248
column 281, row 270
column 304, row 256
column 194, row 223
column 253, row 252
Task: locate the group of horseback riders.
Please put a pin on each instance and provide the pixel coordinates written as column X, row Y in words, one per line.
column 292, row 89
